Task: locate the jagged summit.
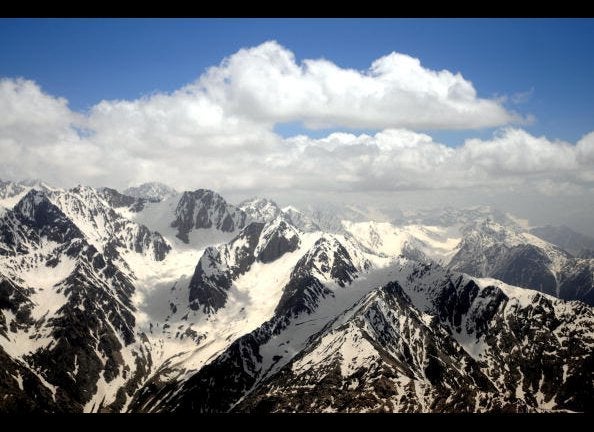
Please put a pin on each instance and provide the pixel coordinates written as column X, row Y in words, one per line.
column 265, row 210
column 38, row 184
column 260, row 209
column 202, row 209
column 153, row 191
column 11, row 192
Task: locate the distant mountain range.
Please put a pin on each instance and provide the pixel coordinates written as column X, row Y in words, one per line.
column 153, row 300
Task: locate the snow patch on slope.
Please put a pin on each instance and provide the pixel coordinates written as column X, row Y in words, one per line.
column 295, row 337
column 11, row 201
column 435, row 242
column 158, row 216
column 42, row 276
column 251, row 301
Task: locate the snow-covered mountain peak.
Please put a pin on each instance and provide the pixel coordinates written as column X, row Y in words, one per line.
column 278, row 237
column 123, row 204
column 109, row 232
column 260, row 209
column 85, row 192
column 37, row 211
column 489, row 232
column 12, row 192
column 451, row 216
column 414, row 241
column 27, row 207
column 152, row 191
column 299, row 219
column 204, row 208
column 88, row 211
column 38, row 184
column 517, row 257
column 220, row 266
column 9, row 189
column 334, row 259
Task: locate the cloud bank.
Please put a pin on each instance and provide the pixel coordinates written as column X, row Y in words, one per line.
column 218, row 132
column 266, row 84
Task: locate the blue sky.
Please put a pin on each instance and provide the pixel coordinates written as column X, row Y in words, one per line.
column 548, row 61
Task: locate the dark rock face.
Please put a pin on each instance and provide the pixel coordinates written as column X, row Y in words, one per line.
column 209, row 291
column 119, row 200
column 220, row 266
column 213, row 277
column 526, row 266
column 22, row 391
column 400, row 349
column 526, row 347
column 280, row 240
column 87, row 332
column 15, row 299
column 205, row 209
column 14, row 235
column 542, row 358
column 152, row 191
column 301, row 294
column 304, row 290
column 84, row 329
column 244, row 255
column 576, row 281
column 35, row 211
column 260, row 209
column 216, row 387
column 145, row 239
column 455, row 300
column 278, row 246
column 343, row 269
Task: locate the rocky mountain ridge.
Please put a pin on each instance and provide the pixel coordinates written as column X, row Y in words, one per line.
column 255, row 308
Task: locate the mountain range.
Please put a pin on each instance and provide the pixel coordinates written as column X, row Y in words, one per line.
column 154, row 300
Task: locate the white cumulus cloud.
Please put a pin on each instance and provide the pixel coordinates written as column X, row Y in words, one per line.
column 218, row 132
column 267, row 84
